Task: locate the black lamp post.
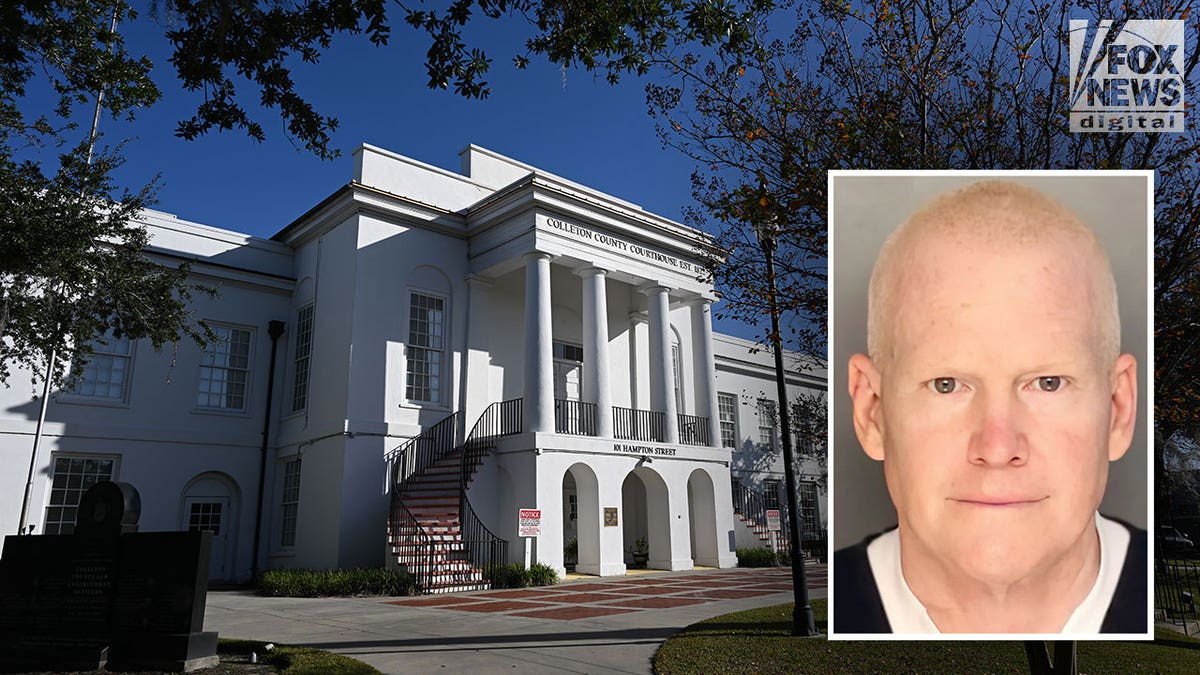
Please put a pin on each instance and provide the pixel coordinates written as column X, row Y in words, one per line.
column 803, row 623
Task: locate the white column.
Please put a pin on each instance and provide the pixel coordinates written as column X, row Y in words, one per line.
column 476, row 391
column 705, row 368
column 662, row 385
column 539, row 347
column 595, row 348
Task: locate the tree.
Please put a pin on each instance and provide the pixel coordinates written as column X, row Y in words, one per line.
column 217, row 43
column 962, row 84
column 72, row 267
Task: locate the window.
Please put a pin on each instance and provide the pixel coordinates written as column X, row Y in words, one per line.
column 771, row 493
column 106, row 374
column 568, row 352
column 809, row 520
column 766, row 423
column 290, row 502
column 72, row 477
column 304, row 330
column 426, row 318
column 727, row 406
column 224, row 370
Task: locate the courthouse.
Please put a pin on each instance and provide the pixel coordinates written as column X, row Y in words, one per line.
column 440, row 350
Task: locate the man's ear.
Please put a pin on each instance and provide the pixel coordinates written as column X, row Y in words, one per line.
column 1124, row 406
column 865, row 393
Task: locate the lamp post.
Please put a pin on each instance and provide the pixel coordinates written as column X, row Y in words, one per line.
column 803, row 623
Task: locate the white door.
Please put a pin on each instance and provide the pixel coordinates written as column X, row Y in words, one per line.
column 210, row 514
column 568, row 376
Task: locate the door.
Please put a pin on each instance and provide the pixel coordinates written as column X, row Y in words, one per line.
column 209, row 514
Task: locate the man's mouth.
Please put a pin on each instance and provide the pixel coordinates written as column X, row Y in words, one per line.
column 1000, row 502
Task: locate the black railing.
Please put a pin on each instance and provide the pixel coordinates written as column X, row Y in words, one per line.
column 411, row 545
column 420, row 452
column 484, row 549
column 693, row 430
column 638, row 425
column 574, row 417
column 1176, row 589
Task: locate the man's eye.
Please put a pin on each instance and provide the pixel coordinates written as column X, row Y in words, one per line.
column 943, row 385
column 1048, row 383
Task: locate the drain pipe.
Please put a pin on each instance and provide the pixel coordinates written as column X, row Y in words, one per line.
column 275, row 330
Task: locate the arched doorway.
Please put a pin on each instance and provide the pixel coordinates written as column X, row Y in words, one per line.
column 702, row 515
column 581, row 517
column 647, row 522
column 210, row 503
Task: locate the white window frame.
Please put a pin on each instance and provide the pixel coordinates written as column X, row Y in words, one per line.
column 74, row 396
column 766, row 421
column 207, row 355
column 444, row 365
column 300, row 381
column 732, row 422
column 67, row 488
column 287, row 531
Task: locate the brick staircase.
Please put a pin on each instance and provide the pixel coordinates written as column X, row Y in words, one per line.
column 432, row 528
column 432, row 497
column 764, row 535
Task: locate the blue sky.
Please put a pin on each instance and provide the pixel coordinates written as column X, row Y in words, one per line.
column 570, row 123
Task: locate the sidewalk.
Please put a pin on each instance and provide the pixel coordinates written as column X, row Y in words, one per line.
column 610, row 625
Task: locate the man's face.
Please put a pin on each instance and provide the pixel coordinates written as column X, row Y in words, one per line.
column 995, row 406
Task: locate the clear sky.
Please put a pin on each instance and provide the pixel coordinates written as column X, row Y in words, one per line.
column 570, row 123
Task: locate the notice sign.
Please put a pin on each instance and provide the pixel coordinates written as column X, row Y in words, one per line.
column 529, row 522
column 773, row 520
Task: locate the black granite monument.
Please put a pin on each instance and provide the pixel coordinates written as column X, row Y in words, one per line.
column 105, row 594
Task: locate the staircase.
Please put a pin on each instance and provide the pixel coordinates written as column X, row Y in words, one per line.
column 432, row 500
column 432, row 530
column 750, row 507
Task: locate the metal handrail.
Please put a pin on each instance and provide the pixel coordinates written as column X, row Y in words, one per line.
column 638, row 425
column 411, row 543
column 577, row 418
column 752, row 505
column 693, row 430
column 485, row 550
column 421, row 451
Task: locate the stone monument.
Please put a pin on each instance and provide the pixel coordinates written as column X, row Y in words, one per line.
column 106, row 594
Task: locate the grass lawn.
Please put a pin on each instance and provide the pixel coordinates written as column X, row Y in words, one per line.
column 292, row 660
column 759, row 641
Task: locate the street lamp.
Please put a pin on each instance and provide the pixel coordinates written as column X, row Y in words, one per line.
column 803, row 623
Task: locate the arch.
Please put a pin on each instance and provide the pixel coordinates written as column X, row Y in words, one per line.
column 429, row 278
column 647, row 509
column 587, row 523
column 702, row 515
column 211, row 501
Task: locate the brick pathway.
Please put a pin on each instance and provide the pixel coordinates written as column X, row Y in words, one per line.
column 601, row 597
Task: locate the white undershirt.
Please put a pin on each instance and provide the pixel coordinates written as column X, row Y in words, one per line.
column 906, row 614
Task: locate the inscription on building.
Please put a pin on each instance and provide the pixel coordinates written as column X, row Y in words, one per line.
column 585, row 234
column 643, row 449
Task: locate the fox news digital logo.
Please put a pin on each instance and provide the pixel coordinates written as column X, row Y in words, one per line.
column 1126, row 76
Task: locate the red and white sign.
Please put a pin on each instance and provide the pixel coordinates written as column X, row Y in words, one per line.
column 773, row 520
column 530, row 522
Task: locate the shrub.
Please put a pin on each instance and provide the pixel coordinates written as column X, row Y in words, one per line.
column 322, row 583
column 514, row 575
column 542, row 575
column 756, row 557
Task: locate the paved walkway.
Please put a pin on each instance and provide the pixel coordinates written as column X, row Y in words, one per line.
column 588, row 626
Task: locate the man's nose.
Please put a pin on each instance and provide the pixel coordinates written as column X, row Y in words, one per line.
column 999, row 438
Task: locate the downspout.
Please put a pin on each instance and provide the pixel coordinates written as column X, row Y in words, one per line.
column 275, row 330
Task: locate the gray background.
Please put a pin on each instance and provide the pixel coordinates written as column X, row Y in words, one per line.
column 865, row 209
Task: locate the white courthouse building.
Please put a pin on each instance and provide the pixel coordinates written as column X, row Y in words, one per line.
column 440, row 350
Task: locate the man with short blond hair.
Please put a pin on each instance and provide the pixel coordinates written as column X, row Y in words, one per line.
column 995, row 394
